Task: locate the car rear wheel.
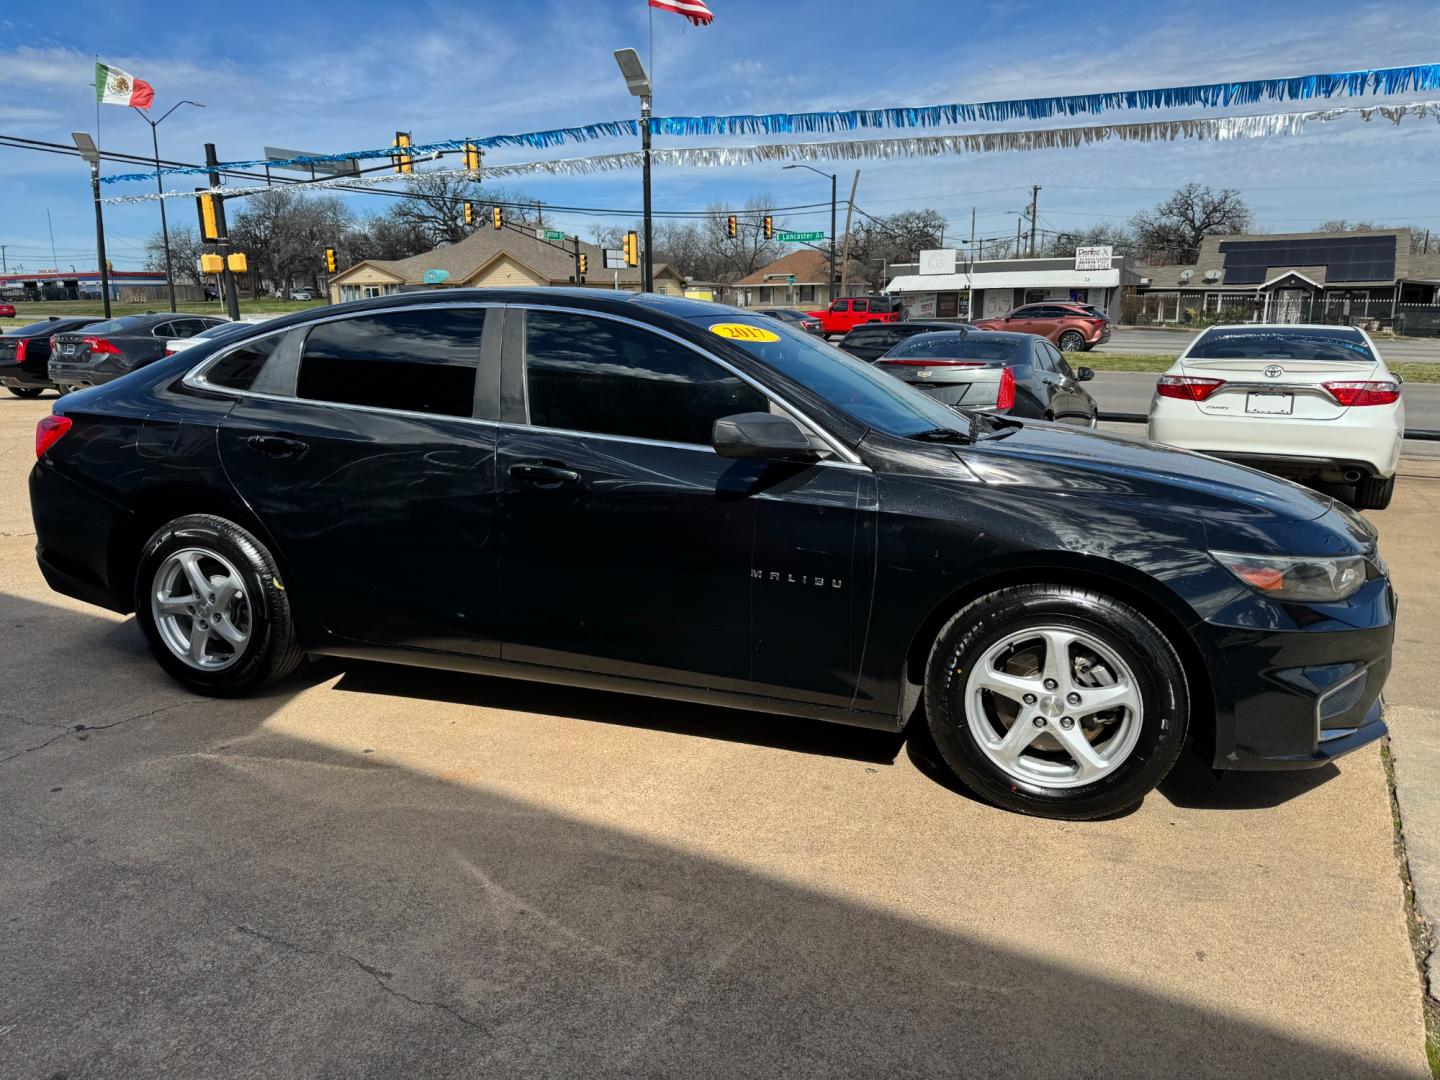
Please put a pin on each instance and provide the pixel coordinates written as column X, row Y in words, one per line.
column 1056, row 701
column 1374, row 493
column 1071, row 341
column 26, row 391
column 209, row 600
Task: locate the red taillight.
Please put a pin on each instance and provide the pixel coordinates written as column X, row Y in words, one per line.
column 1363, row 393
column 100, row 345
column 1187, row 387
column 1005, row 396
column 909, row 362
column 48, row 432
column 20, row 352
column 169, row 352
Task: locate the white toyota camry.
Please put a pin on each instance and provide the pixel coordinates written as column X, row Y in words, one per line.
column 1309, row 402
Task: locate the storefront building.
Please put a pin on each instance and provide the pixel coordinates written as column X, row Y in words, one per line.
column 943, row 285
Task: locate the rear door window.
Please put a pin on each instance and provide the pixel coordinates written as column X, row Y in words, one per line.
column 861, row 305
column 588, row 374
column 421, row 361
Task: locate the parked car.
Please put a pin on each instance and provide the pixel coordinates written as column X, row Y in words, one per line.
column 7, row 311
column 1069, row 327
column 845, row 314
column 302, row 294
column 25, row 354
column 106, row 350
column 1310, row 402
column 803, row 319
column 870, row 342
column 1018, row 374
column 219, row 330
column 676, row 498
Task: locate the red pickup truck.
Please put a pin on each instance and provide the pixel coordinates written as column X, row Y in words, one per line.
column 842, row 316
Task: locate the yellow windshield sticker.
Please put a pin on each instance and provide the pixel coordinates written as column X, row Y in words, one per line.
column 743, row 332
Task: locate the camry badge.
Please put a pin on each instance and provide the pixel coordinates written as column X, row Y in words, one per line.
column 1274, row 371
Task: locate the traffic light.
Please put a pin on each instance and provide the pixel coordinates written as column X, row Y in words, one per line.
column 497, row 217
column 732, row 227
column 632, row 249
column 768, row 227
column 472, row 157
column 403, row 163
column 584, row 263
column 205, row 204
column 467, row 211
column 329, row 260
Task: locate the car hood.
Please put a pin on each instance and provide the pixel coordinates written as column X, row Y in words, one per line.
column 1059, row 455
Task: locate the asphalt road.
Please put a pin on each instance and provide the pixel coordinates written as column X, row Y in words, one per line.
column 1139, row 340
column 379, row 872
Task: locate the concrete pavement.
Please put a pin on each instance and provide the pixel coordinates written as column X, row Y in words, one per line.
column 1140, row 339
column 377, row 872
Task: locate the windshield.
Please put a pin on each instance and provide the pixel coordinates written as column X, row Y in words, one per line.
column 952, row 346
column 1283, row 343
column 871, row 396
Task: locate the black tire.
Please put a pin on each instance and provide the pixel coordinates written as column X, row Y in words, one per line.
column 1071, row 341
column 271, row 650
column 26, row 391
column 1374, row 493
column 62, row 390
column 1159, row 678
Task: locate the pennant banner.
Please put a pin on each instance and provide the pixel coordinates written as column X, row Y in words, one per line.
column 1395, row 80
column 1212, row 128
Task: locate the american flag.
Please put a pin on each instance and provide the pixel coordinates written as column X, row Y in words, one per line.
column 694, row 10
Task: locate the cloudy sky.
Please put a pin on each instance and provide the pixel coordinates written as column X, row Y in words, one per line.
column 345, row 77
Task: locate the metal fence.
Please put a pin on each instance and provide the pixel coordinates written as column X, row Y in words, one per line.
column 1191, row 309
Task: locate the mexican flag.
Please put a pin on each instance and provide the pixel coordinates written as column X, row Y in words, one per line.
column 116, row 87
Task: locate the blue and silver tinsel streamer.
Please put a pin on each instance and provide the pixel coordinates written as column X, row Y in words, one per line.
column 1395, row 80
column 1212, row 128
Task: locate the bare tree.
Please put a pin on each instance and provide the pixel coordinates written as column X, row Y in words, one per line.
column 185, row 252
column 703, row 249
column 1102, row 235
column 434, row 207
column 1171, row 232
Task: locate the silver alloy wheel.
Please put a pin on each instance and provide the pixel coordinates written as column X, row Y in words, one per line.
column 1053, row 706
column 201, row 609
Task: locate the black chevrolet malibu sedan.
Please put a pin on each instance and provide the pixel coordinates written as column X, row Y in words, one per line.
column 677, row 498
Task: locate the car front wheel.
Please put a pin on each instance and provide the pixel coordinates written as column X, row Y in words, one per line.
column 209, row 600
column 1056, row 701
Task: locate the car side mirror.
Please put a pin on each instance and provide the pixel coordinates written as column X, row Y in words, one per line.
column 760, row 435
column 1084, row 374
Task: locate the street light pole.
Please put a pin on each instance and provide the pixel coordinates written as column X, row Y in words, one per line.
column 160, row 187
column 91, row 153
column 637, row 81
column 832, row 176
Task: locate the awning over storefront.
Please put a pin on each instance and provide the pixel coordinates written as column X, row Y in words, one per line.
column 1019, row 279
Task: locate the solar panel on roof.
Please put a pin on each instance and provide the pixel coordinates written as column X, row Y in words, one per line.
column 1345, row 258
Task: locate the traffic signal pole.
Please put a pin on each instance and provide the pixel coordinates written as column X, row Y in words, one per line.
column 222, row 241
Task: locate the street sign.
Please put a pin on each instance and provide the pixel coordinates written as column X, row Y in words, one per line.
column 274, row 154
column 553, row 234
column 798, row 237
column 434, row 277
column 1093, row 258
column 615, row 259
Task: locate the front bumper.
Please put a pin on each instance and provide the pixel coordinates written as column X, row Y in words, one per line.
column 1298, row 685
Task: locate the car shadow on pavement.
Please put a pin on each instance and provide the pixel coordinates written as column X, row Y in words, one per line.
column 793, row 733
column 187, row 890
column 1194, row 785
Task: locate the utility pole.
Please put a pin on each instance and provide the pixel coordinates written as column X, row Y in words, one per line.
column 222, row 237
column 577, row 258
column 1034, row 215
column 5, row 268
column 972, row 240
column 845, row 256
column 1019, row 221
column 91, row 153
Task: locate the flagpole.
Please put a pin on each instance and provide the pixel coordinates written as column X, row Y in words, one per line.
column 650, row 9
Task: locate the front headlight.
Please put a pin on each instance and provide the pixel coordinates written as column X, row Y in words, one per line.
column 1297, row 577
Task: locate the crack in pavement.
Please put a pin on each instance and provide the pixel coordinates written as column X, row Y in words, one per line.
column 75, row 729
column 378, row 974
column 18, row 719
